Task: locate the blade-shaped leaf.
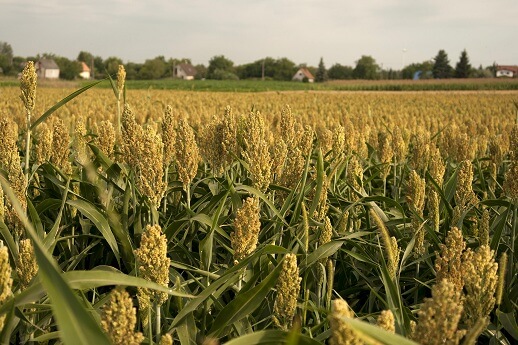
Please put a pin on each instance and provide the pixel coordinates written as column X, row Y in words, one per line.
column 73, row 319
column 245, row 303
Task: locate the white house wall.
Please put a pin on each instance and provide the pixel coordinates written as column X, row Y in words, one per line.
column 52, row 73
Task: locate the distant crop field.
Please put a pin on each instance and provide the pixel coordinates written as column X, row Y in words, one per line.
column 270, row 85
column 147, row 214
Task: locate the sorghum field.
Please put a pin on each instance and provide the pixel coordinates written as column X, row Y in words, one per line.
column 131, row 217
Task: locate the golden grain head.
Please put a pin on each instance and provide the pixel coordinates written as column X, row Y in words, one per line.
column 43, row 147
column 105, row 139
column 246, row 229
column 119, row 318
column 153, row 263
column 168, row 135
column 416, row 191
column 480, row 272
column 464, row 195
column 166, row 339
column 288, row 288
column 386, row 321
column 439, row 316
column 28, row 86
column 60, row 147
column 121, row 79
column 448, row 263
column 187, row 153
column 341, row 333
column 26, row 266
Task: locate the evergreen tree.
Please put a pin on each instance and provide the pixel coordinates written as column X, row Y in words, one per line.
column 463, row 67
column 321, row 74
column 441, row 67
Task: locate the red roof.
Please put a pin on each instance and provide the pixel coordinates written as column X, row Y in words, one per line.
column 513, row 69
column 85, row 67
column 306, row 73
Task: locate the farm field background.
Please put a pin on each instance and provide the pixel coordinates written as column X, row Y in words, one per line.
column 271, row 85
column 259, row 218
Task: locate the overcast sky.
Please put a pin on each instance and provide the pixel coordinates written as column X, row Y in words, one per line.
column 341, row 31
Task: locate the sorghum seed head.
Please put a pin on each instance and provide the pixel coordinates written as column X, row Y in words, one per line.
column 121, row 79
column 105, row 139
column 43, row 146
column 246, row 229
column 480, row 282
column 166, row 339
column 448, row 263
column 386, row 321
column 119, row 318
column 341, row 333
column 511, row 181
column 439, row 316
column 288, row 288
column 60, row 147
column 416, row 190
column 28, row 86
column 153, row 263
column 6, row 282
column 187, row 154
column 26, row 266
column 464, row 195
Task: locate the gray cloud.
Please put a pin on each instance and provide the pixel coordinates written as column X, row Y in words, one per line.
column 303, row 30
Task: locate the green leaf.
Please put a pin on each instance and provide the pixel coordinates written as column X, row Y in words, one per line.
column 50, row 240
column 9, row 240
column 508, row 320
column 73, row 319
column 269, row 337
column 92, row 213
column 62, row 103
column 244, row 303
column 322, row 252
column 85, row 280
column 35, row 218
column 223, row 281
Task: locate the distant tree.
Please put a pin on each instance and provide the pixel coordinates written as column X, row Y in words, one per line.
column 482, row 72
column 220, row 66
column 85, row 57
column 366, row 68
column 132, row 70
column 338, row 71
column 255, row 69
column 425, row 69
column 68, row 69
column 201, row 71
column 283, row 69
column 441, row 67
column 6, row 57
column 463, row 67
column 153, row 69
column 111, row 65
column 98, row 71
column 321, row 74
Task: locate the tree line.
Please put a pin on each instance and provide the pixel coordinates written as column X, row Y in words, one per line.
column 222, row 68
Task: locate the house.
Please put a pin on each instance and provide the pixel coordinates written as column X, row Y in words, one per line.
column 47, row 69
column 302, row 74
column 85, row 71
column 184, row 71
column 507, row 71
